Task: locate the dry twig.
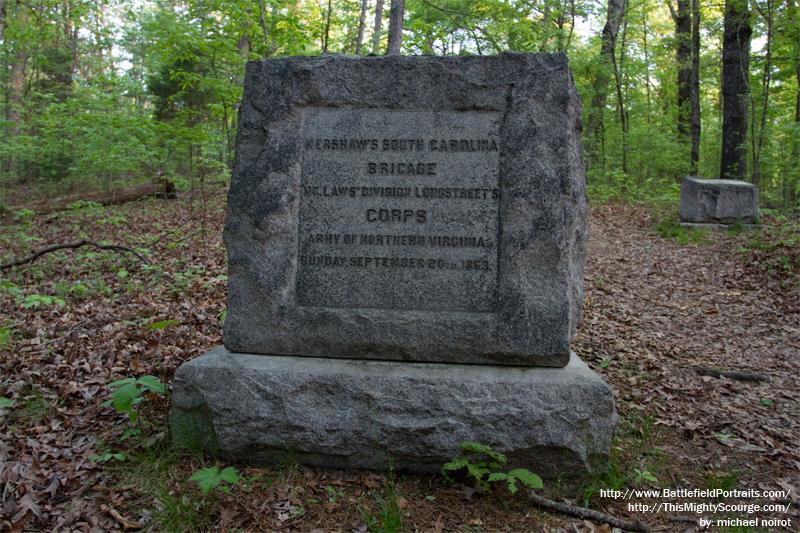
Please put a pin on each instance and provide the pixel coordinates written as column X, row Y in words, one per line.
column 70, row 246
column 732, row 374
column 590, row 514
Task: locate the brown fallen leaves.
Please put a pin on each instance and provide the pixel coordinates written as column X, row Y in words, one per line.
column 654, row 312
column 657, row 311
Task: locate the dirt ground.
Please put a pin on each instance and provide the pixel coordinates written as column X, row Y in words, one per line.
column 698, row 334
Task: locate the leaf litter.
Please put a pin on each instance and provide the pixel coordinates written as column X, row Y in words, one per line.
column 655, row 312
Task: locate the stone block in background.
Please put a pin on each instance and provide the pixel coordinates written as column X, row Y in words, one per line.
column 718, row 201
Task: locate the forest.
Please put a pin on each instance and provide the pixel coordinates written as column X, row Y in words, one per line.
column 100, row 95
column 119, row 126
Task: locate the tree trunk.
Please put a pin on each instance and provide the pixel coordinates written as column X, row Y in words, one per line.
column 262, row 21
column 647, row 82
column 361, row 22
column 683, row 52
column 621, row 110
column 544, row 43
column 695, row 124
column 244, row 46
column 162, row 188
column 560, row 21
column 2, row 18
column 376, row 31
column 615, row 12
column 16, row 82
column 71, row 31
column 327, row 34
column 5, row 163
column 758, row 145
column 795, row 183
column 16, row 90
column 735, row 89
column 571, row 23
column 396, row 14
column 791, row 180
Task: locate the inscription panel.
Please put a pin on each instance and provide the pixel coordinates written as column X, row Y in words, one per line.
column 399, row 210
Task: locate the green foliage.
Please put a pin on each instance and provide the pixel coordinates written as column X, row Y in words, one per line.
column 5, row 403
column 162, row 324
column 34, row 301
column 389, row 516
column 634, row 457
column 6, row 334
column 152, row 89
column 776, row 247
column 83, row 204
column 127, row 393
column 526, row 477
column 79, row 290
column 113, row 220
column 212, row 478
column 24, row 216
column 108, row 456
column 484, row 468
column 37, row 406
column 671, row 229
column 715, row 479
column 333, row 493
column 156, row 472
column 642, row 475
column 10, row 288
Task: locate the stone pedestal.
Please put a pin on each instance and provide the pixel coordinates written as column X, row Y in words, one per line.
column 712, row 203
column 406, row 239
column 348, row 413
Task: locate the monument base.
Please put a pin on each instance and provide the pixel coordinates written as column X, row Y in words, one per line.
column 718, row 226
column 347, row 413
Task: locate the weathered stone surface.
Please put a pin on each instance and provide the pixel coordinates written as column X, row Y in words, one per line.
column 261, row 409
column 718, row 201
column 408, row 208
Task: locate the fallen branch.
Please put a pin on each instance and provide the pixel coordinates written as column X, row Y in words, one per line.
column 589, row 514
column 83, row 489
column 732, row 374
column 67, row 335
column 682, row 518
column 70, row 246
column 121, row 520
column 160, row 189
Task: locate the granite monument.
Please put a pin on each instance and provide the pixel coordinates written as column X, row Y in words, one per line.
column 406, row 238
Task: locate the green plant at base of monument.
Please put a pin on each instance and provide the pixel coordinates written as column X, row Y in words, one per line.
column 212, row 478
column 108, row 456
column 158, row 474
column 127, row 393
column 389, row 516
column 484, row 468
column 721, row 479
column 635, row 456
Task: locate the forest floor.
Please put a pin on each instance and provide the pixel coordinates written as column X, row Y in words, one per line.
column 665, row 310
